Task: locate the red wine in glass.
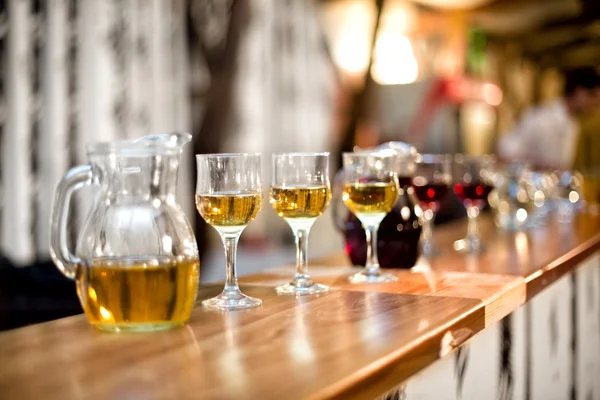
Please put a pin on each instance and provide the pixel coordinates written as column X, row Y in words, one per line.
column 430, row 194
column 475, row 193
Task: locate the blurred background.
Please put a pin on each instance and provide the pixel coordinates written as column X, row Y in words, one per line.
column 263, row 76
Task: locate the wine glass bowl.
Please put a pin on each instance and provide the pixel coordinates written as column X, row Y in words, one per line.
column 228, row 197
column 431, row 183
column 473, row 182
column 300, row 193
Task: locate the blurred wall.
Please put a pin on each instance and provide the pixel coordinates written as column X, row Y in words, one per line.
column 75, row 72
column 284, row 89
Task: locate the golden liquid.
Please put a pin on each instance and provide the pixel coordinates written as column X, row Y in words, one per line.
column 373, row 198
column 301, row 201
column 115, row 292
column 236, row 209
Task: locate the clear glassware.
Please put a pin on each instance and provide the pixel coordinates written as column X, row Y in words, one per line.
column 541, row 186
column 370, row 192
column 229, row 196
column 431, row 183
column 300, row 193
column 136, row 261
column 568, row 194
column 511, row 200
column 399, row 232
column 473, row 182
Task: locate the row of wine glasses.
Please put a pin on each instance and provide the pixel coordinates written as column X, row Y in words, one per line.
column 229, row 196
column 371, row 187
column 471, row 178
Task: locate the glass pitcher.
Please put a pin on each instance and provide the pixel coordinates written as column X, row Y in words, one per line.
column 136, row 260
column 400, row 230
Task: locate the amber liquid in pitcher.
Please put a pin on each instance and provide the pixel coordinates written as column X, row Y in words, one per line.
column 137, row 295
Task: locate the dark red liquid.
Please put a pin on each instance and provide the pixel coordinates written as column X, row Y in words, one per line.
column 404, row 181
column 473, row 191
column 431, row 193
column 397, row 238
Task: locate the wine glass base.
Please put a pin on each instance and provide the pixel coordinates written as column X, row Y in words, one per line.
column 467, row 245
column 292, row 289
column 370, row 277
column 231, row 301
column 431, row 252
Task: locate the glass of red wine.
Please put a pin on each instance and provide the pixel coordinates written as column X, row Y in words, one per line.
column 473, row 182
column 431, row 182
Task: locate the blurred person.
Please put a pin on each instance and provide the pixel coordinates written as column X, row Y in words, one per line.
column 547, row 136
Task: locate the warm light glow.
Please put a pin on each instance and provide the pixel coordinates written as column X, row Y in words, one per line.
column 492, row 94
column 521, row 215
column 473, row 212
column 478, row 121
column 399, row 15
column 167, row 244
column 522, row 196
column 539, row 198
column 105, row 314
column 573, row 196
column 522, row 243
column 405, row 213
column 92, row 294
column 394, row 62
column 349, row 27
column 428, row 214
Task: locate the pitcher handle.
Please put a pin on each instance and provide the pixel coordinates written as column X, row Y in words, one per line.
column 74, row 179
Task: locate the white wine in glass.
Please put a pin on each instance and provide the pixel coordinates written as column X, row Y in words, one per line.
column 229, row 209
column 228, row 197
column 370, row 192
column 300, row 193
column 371, row 200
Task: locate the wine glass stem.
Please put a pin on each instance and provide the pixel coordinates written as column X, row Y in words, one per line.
column 230, row 243
column 473, row 226
column 302, row 278
column 427, row 239
column 372, row 264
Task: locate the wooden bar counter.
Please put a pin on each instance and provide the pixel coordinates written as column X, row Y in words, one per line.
column 404, row 340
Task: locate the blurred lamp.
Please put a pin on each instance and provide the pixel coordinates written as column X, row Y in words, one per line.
column 394, row 61
column 349, row 25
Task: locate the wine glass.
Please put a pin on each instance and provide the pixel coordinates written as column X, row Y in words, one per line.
column 300, row 193
column 430, row 184
column 228, row 197
column 370, row 192
column 473, row 182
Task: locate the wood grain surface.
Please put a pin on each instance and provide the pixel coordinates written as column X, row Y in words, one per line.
column 347, row 344
column 541, row 255
column 501, row 294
